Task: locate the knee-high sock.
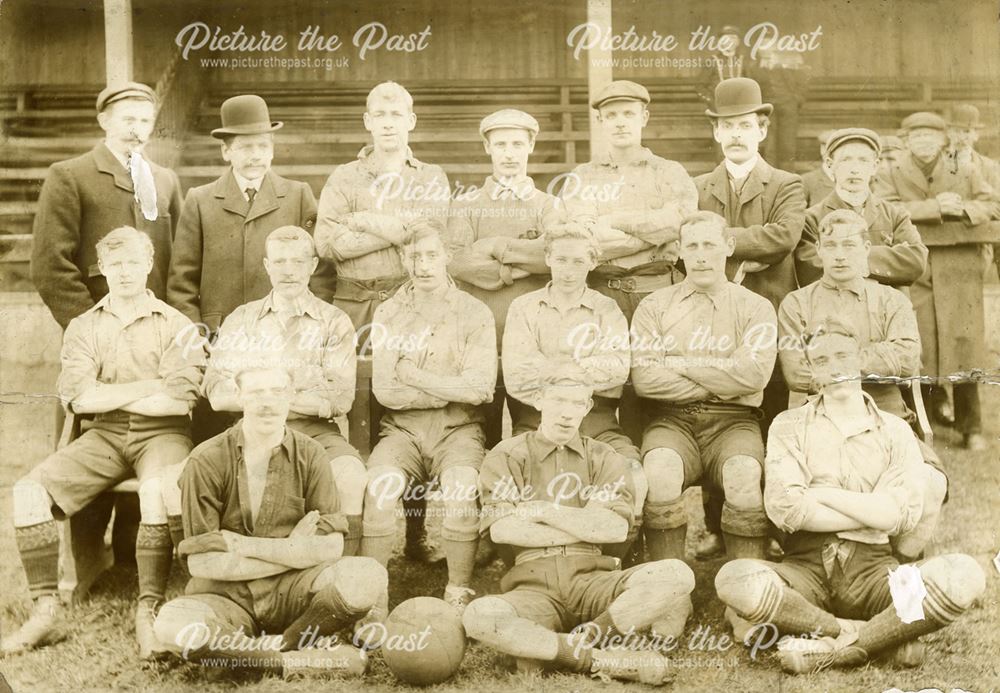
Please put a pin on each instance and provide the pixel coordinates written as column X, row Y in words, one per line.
column 886, row 630
column 39, row 549
column 326, row 614
column 572, row 657
column 176, row 526
column 379, row 548
column 792, row 613
column 153, row 556
column 461, row 557
column 352, row 540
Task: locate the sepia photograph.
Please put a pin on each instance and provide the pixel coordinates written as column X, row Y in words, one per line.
column 469, row 346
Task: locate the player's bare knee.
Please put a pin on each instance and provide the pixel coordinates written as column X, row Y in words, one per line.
column 350, row 475
column 184, row 623
column 32, row 503
column 360, row 581
column 385, row 486
column 170, row 488
column 741, row 476
column 957, row 576
column 461, row 482
column 152, row 509
column 483, row 617
column 664, row 470
column 742, row 584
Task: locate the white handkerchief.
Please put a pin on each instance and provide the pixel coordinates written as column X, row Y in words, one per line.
column 907, row 589
column 145, row 188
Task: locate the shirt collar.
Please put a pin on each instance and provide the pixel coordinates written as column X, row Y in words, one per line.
column 856, row 287
column 307, row 304
column 587, row 299
column 522, row 189
column 688, row 289
column 645, row 157
column 850, row 203
column 367, row 152
column 236, row 434
column 123, row 160
column 147, row 304
column 406, row 292
column 544, row 447
column 245, row 183
column 818, row 408
column 738, row 171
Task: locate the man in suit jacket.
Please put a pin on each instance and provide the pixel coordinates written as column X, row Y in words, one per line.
column 948, row 298
column 84, row 198
column 764, row 208
column 218, row 261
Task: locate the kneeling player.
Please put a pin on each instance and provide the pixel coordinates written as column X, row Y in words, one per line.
column 842, row 477
column 434, row 363
column 264, row 536
column 550, row 498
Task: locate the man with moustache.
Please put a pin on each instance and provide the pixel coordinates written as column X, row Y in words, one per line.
column 435, row 367
column 886, row 327
column 365, row 204
column 316, row 342
column 84, row 198
column 764, row 208
column 703, row 351
column 564, row 604
column 948, row 297
column 124, row 363
column 263, row 537
column 841, row 478
column 897, row 257
column 495, row 234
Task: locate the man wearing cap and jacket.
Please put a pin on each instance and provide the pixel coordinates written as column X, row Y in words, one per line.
column 218, row 261
column 898, row 257
column 495, row 232
column 948, row 297
column 84, row 198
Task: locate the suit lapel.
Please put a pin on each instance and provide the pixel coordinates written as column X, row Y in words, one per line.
column 754, row 187
column 229, row 192
column 266, row 201
column 909, row 171
column 107, row 163
column 718, row 184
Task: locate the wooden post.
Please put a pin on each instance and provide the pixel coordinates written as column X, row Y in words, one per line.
column 599, row 69
column 118, row 41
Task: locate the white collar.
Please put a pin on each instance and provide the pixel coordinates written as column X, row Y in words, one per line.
column 739, row 171
column 853, row 199
column 245, row 183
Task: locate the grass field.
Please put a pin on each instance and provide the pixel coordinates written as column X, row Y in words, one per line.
column 99, row 653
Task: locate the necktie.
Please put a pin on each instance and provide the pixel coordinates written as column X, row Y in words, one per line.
column 251, row 193
column 145, row 188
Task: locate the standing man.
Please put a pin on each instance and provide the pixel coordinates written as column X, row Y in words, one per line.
column 633, row 201
column 569, row 330
column 365, row 204
column 551, row 498
column 704, row 350
column 316, row 342
column 218, row 261
column 897, row 257
column 964, row 128
column 495, row 233
column 948, row 298
column 126, row 364
column 886, row 328
column 842, row 477
column 434, row 366
column 83, row 199
column 263, row 536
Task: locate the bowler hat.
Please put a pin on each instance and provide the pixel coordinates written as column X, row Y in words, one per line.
column 964, row 116
column 738, row 96
column 124, row 90
column 245, row 115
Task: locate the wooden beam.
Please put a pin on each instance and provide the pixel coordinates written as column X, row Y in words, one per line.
column 118, row 41
column 599, row 69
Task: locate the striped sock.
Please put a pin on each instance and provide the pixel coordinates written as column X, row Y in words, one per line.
column 792, row 613
column 886, row 630
column 326, row 614
column 39, row 549
column 154, row 553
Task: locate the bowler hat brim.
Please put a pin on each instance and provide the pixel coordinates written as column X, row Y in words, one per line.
column 251, row 129
column 733, row 111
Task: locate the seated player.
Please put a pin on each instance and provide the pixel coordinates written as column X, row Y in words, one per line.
column 573, row 331
column 312, row 338
column 886, row 327
column 551, row 497
column 122, row 364
column 263, row 540
column 703, row 351
column 434, row 363
column 842, row 477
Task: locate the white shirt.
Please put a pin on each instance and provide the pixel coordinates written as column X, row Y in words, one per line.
column 741, row 171
column 244, row 183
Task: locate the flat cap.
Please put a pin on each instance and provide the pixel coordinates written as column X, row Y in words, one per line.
column 620, row 90
column 923, row 119
column 864, row 135
column 124, row 90
column 891, row 143
column 508, row 118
